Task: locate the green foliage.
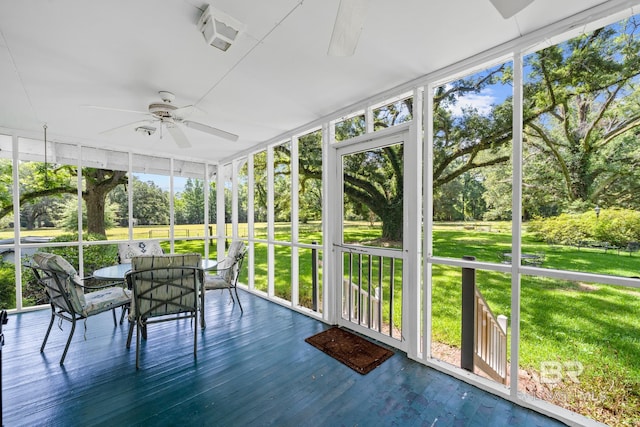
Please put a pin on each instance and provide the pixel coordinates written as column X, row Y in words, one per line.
column 618, row 227
column 581, row 118
column 150, row 203
column 310, row 185
column 192, row 201
column 94, row 256
column 6, row 182
column 69, row 221
column 7, row 285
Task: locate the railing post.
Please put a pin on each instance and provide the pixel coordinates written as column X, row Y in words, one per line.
column 468, row 315
column 502, row 321
column 314, row 276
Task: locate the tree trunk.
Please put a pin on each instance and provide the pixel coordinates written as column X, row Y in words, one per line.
column 98, row 183
column 392, row 222
column 95, row 202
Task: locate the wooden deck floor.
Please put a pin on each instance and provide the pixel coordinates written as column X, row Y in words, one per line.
column 253, row 369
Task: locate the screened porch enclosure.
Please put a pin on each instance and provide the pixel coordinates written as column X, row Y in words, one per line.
column 367, row 219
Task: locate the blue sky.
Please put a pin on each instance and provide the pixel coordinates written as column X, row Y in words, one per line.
column 162, row 181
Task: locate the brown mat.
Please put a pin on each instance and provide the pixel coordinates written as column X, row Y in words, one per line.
column 357, row 353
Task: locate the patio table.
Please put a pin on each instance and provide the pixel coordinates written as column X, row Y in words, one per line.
column 526, row 258
column 119, row 271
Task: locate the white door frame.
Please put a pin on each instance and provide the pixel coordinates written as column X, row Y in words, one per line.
column 410, row 254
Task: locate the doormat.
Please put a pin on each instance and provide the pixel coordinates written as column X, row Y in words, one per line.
column 354, row 351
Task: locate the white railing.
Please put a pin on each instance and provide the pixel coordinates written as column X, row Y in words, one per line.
column 362, row 306
column 372, row 290
column 490, row 341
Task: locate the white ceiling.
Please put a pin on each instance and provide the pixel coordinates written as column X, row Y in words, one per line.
column 58, row 56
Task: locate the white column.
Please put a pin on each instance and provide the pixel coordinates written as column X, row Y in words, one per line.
column 331, row 226
column 412, row 201
column 270, row 224
column 220, row 224
column 516, row 221
column 250, row 221
column 427, row 209
column 295, row 279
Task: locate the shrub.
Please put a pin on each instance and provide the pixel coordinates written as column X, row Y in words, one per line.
column 94, row 256
column 618, row 227
column 7, row 285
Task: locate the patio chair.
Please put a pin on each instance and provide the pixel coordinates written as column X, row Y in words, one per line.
column 128, row 250
column 165, row 287
column 536, row 260
column 227, row 272
column 67, row 295
column 503, row 258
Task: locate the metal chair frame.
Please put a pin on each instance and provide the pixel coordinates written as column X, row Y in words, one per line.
column 148, row 286
column 61, row 305
column 233, row 283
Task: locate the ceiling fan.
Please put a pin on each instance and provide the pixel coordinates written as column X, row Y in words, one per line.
column 164, row 113
column 351, row 14
column 347, row 28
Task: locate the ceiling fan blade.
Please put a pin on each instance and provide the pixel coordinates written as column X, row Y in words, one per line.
column 184, row 112
column 128, row 125
column 97, row 107
column 211, row 130
column 508, row 8
column 178, row 136
column 347, row 28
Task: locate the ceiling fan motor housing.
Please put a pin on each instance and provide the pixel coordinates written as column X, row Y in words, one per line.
column 161, row 110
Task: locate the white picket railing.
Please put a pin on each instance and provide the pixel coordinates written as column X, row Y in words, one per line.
column 362, row 306
column 490, row 341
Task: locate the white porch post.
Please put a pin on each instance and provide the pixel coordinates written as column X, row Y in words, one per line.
column 234, row 199
column 250, row 222
column 331, row 227
column 207, row 235
column 16, row 218
column 220, row 220
column 427, row 221
column 411, row 228
column 172, row 222
column 516, row 221
column 270, row 225
column 295, row 262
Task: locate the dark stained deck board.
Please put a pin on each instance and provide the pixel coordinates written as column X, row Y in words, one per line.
column 251, row 369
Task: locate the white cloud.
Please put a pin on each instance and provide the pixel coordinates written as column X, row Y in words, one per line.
column 481, row 102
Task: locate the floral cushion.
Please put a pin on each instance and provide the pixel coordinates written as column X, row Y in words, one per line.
column 106, row 299
column 72, row 282
column 126, row 251
column 85, row 304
